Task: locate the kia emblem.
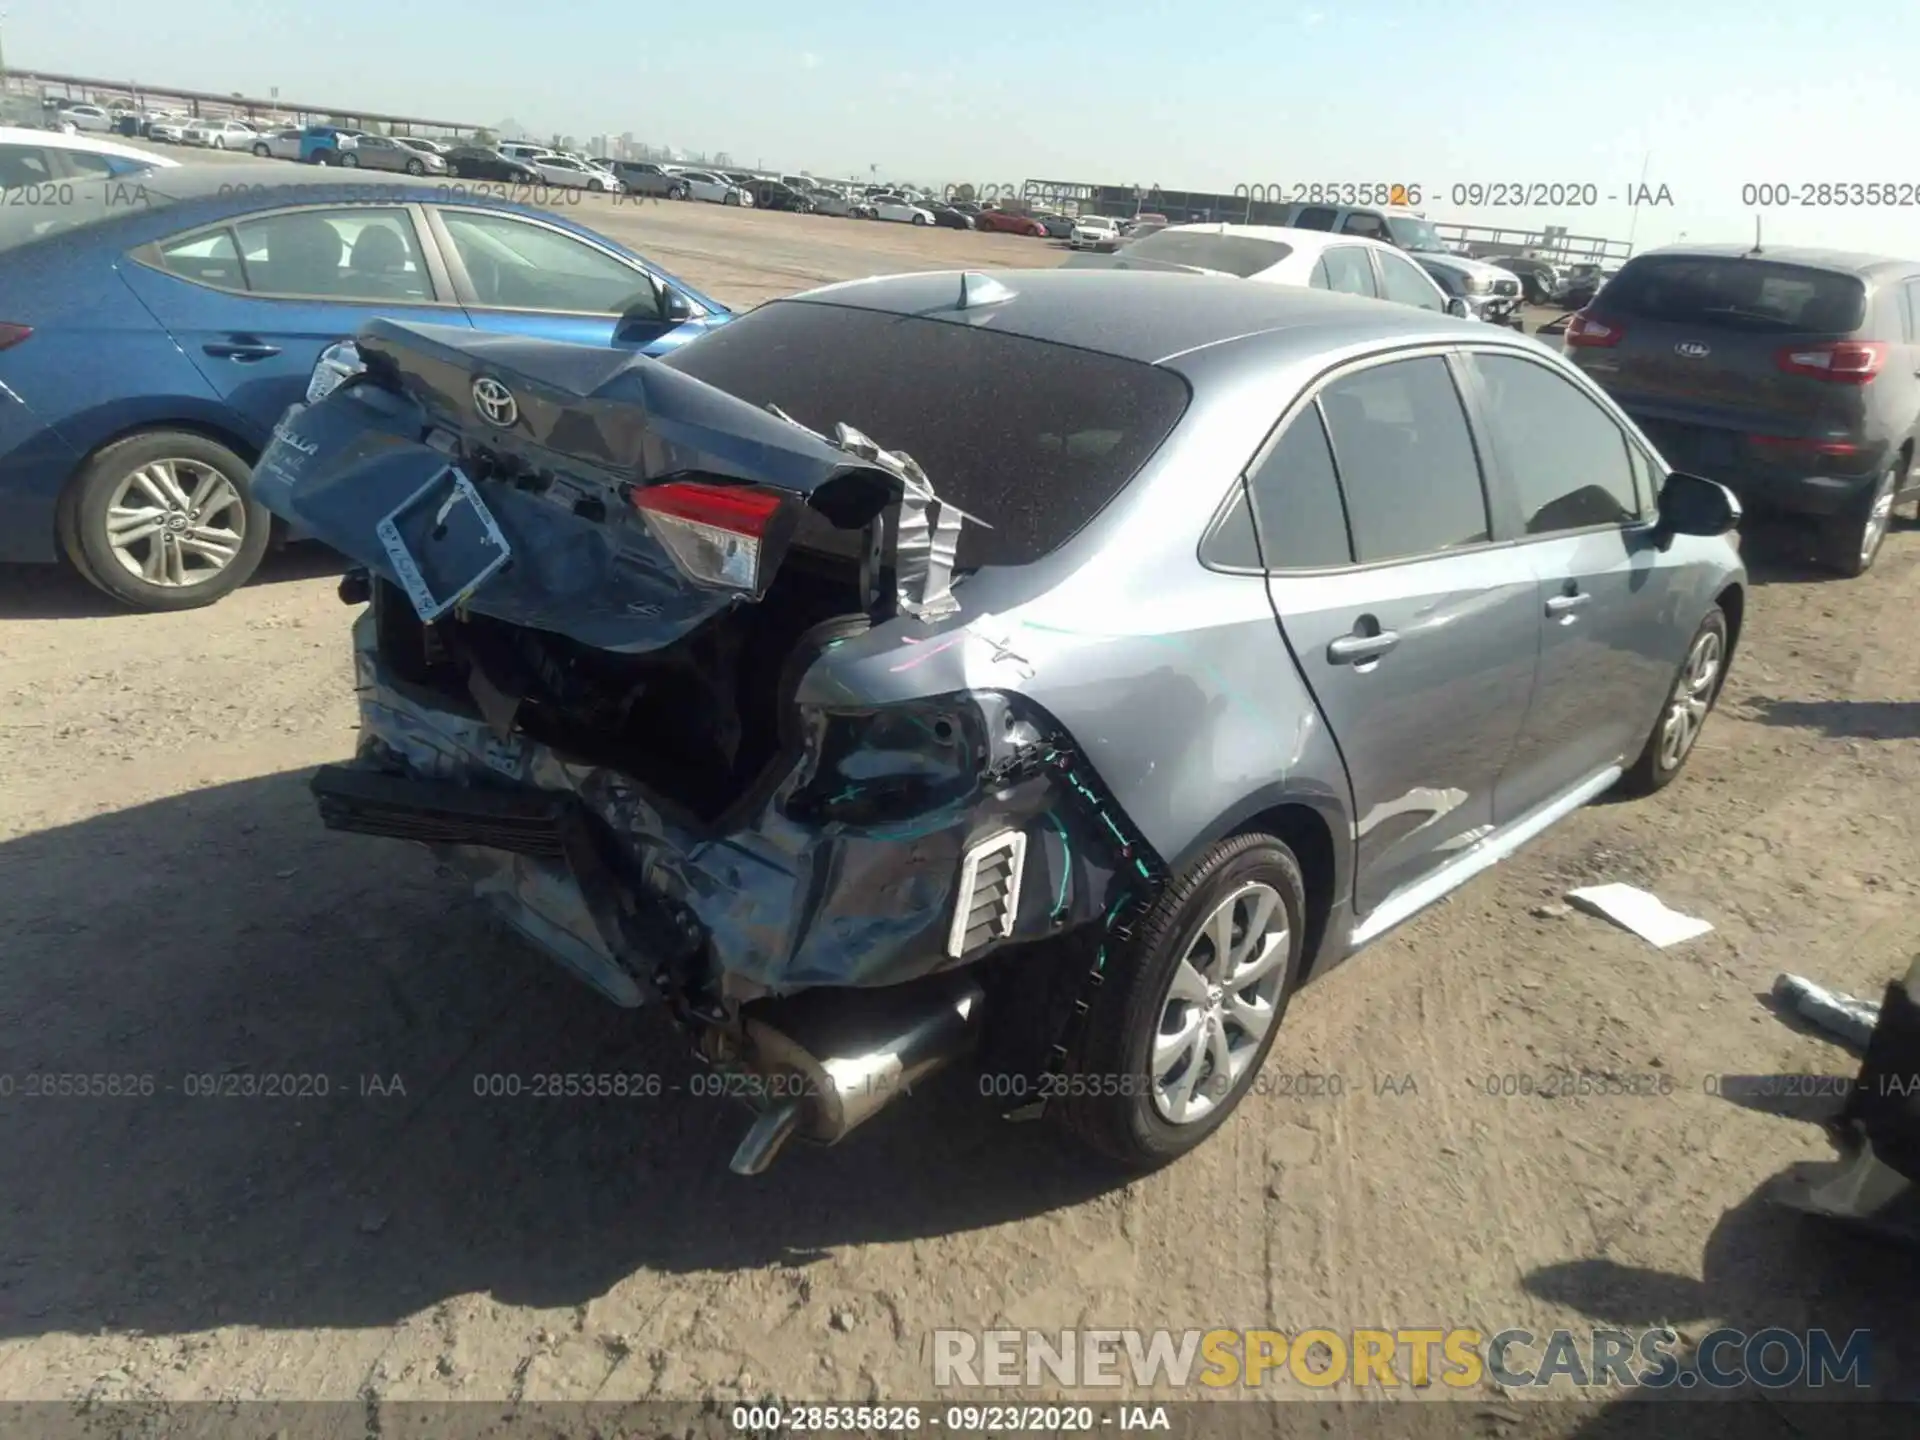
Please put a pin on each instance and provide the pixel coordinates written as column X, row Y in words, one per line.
column 495, row 402
column 1693, row 349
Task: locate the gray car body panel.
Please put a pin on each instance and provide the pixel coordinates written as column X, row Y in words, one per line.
column 1172, row 681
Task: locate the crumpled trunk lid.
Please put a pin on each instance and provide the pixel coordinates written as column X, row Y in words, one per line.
column 553, row 438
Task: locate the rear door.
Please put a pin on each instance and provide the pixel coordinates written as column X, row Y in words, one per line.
column 254, row 302
column 1578, row 494
column 520, row 276
column 1415, row 631
column 1727, row 361
column 1347, row 270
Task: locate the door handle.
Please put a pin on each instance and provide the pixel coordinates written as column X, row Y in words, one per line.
column 1561, row 605
column 241, row 348
column 1353, row 649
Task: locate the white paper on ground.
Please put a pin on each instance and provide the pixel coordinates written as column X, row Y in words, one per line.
column 1639, row 911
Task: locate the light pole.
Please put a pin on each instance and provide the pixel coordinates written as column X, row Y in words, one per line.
column 3, row 52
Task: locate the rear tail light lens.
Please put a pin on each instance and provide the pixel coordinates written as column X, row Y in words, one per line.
column 11, row 335
column 1845, row 362
column 1584, row 331
column 1802, row 445
column 716, row 534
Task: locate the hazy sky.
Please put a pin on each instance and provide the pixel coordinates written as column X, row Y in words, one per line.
column 1200, row 94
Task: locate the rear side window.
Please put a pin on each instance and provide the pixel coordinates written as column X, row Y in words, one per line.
column 1562, row 455
column 1736, row 293
column 1033, row 438
column 22, row 165
column 1405, row 460
column 1296, row 500
column 1240, row 255
column 210, row 258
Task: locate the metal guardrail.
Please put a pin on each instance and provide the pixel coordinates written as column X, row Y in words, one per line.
column 1188, row 206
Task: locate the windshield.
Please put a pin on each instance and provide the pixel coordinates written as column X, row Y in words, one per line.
column 1032, row 438
column 1241, row 255
column 1410, row 232
column 1738, row 293
column 65, row 208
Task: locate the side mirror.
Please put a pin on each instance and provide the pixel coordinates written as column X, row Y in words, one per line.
column 1692, row 505
column 674, row 306
column 1459, row 309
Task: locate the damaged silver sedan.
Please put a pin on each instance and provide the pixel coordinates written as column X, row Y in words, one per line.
column 944, row 660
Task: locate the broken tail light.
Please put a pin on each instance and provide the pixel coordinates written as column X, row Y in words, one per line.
column 1584, row 332
column 716, row 534
column 1843, row 362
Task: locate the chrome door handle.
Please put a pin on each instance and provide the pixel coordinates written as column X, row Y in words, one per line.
column 1349, row 649
column 241, row 350
column 1566, row 604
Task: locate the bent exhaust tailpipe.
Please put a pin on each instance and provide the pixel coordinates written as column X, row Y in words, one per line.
column 835, row 1058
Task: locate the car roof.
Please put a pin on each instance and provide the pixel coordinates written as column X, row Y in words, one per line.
column 1851, row 262
column 1149, row 316
column 55, row 140
column 1303, row 241
column 211, row 180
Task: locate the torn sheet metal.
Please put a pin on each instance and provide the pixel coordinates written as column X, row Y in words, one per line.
column 929, row 527
column 1875, row 1184
column 791, row 898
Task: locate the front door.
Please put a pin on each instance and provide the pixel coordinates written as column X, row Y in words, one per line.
column 521, row 277
column 253, row 303
column 1581, row 501
column 1418, row 639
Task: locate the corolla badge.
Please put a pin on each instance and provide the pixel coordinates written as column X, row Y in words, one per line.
column 495, row 402
column 1693, row 349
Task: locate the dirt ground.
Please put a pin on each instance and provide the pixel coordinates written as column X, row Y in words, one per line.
column 170, row 908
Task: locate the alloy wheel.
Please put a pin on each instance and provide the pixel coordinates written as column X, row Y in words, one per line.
column 1692, row 698
column 1219, row 1004
column 176, row 523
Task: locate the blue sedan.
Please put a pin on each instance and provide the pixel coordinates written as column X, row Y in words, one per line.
column 154, row 328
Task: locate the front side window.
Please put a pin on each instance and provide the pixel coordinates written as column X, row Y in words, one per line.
column 1407, row 283
column 514, row 264
column 362, row 253
column 1315, row 217
column 1406, row 461
column 1564, row 457
column 23, row 165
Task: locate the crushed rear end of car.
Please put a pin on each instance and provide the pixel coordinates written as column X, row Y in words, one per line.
column 591, row 680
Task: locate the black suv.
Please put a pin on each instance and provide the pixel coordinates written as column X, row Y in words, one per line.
column 1790, row 375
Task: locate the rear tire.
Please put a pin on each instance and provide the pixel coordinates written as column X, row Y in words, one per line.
column 262, row 151
column 1117, row 1090
column 1850, row 543
column 105, row 484
column 1685, row 711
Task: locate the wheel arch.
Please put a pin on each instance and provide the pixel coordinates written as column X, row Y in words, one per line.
column 1732, row 601
column 1316, row 827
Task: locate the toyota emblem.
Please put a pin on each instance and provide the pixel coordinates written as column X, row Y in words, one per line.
column 1693, row 349
column 495, row 402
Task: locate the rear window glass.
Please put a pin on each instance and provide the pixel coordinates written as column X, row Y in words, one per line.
column 1739, row 294
column 1241, row 255
column 68, row 206
column 1035, row 439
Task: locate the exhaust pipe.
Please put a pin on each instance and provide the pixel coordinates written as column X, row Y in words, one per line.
column 832, row 1059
